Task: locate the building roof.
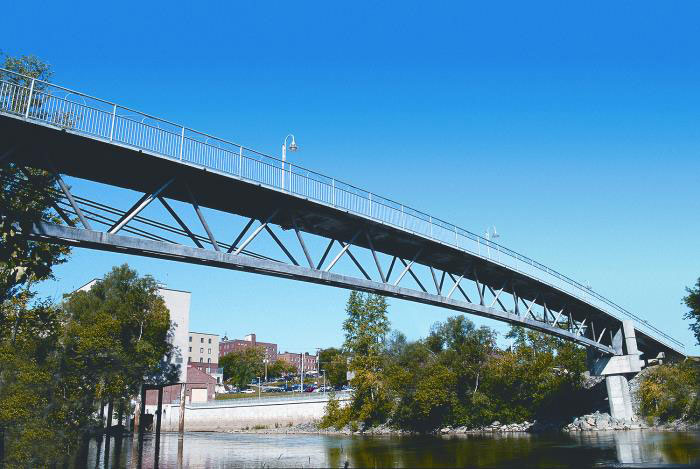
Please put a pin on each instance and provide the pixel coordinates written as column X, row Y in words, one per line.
column 197, row 376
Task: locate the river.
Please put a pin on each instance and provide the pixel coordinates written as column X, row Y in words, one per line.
column 218, row 450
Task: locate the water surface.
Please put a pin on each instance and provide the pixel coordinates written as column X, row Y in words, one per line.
column 218, row 450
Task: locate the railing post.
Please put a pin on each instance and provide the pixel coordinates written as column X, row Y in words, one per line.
column 114, row 118
column 240, row 162
column 430, row 220
column 29, row 101
column 403, row 218
column 182, row 142
column 370, row 204
column 333, row 191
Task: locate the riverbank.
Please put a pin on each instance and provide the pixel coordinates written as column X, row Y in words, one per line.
column 595, row 422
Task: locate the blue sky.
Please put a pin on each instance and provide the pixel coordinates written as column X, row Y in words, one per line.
column 573, row 129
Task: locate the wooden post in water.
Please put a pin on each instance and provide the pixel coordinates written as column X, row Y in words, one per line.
column 137, row 417
column 159, row 411
column 181, row 424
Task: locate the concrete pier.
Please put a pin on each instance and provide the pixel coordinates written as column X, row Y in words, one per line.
column 618, row 369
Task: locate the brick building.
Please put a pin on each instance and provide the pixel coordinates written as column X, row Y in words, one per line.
column 310, row 361
column 200, row 388
column 230, row 345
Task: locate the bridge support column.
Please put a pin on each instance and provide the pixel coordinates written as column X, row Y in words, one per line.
column 617, row 369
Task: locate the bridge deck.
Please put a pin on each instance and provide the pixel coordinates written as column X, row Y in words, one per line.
column 128, row 166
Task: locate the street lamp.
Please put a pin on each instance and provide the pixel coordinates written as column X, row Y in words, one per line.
column 292, row 147
column 259, row 387
column 265, row 361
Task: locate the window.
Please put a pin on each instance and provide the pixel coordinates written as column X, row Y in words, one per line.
column 201, row 339
column 210, row 341
column 209, row 351
column 201, row 360
column 208, row 360
column 189, row 359
column 190, row 349
column 190, row 338
column 201, row 349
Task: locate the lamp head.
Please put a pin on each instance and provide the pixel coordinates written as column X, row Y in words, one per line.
column 293, row 146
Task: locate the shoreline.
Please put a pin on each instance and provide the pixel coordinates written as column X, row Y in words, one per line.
column 591, row 423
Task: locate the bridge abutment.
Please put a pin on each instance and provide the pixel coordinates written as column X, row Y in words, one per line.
column 618, row 368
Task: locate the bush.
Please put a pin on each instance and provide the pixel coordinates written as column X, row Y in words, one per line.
column 335, row 415
column 670, row 392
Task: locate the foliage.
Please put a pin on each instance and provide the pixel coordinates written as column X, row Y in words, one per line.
column 437, row 380
column 26, row 199
column 59, row 362
column 455, row 376
column 335, row 415
column 119, row 330
column 280, row 368
column 365, row 329
column 692, row 301
column 241, row 366
column 335, row 363
column 670, row 392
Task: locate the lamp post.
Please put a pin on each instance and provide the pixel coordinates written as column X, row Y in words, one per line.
column 292, row 147
column 259, row 387
column 265, row 361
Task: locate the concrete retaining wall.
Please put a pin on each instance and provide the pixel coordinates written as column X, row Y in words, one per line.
column 218, row 416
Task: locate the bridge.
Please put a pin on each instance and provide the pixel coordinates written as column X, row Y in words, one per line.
column 390, row 248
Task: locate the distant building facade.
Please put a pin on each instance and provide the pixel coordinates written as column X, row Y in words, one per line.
column 178, row 303
column 200, row 388
column 310, row 361
column 227, row 346
column 203, row 353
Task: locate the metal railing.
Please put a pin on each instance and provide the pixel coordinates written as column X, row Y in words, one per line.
column 55, row 105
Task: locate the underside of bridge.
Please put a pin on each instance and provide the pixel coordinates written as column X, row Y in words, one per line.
column 446, row 270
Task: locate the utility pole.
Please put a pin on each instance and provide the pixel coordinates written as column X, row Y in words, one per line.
column 302, row 372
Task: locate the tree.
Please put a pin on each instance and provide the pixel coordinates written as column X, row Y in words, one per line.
column 241, row 366
column 669, row 391
column 335, row 364
column 30, row 329
column 121, row 328
column 280, row 368
column 692, row 301
column 365, row 329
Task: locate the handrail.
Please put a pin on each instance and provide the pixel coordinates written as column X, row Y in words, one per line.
column 241, row 163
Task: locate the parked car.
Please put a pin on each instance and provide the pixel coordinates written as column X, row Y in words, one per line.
column 248, row 391
column 309, row 388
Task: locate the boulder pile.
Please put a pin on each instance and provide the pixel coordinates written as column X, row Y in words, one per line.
column 601, row 421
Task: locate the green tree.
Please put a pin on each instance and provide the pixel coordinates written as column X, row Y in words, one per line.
column 30, row 406
column 241, row 366
column 335, row 364
column 365, row 329
column 280, row 368
column 670, row 392
column 120, row 331
column 692, row 301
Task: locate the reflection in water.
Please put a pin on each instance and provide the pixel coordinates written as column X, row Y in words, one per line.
column 206, row 450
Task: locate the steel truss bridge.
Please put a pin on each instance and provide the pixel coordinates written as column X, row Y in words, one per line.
column 318, row 229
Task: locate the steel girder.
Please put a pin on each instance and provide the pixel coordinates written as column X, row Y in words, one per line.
column 144, row 242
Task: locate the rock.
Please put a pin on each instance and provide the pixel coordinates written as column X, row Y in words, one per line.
column 445, row 430
column 495, row 423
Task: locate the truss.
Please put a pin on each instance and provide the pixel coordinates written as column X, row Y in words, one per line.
column 97, row 225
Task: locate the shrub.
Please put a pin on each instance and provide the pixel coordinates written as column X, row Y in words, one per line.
column 669, row 392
